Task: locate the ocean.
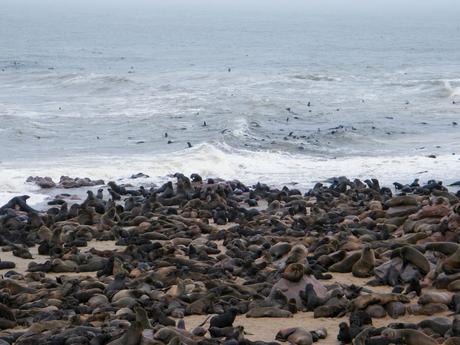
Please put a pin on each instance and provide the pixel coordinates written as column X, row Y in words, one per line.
column 288, row 93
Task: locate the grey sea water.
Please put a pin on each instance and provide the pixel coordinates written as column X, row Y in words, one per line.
column 281, row 91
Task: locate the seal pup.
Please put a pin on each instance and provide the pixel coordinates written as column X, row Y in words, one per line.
column 224, row 320
column 344, row 333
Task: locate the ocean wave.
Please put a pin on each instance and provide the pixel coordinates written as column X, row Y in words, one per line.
column 220, row 160
column 315, row 77
column 89, row 81
column 449, row 90
column 441, row 87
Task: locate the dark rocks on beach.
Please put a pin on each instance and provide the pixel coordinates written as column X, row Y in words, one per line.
column 42, row 182
column 64, row 182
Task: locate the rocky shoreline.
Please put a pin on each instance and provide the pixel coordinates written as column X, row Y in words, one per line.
column 208, row 261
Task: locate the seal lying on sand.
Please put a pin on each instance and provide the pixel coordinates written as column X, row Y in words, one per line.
column 408, row 336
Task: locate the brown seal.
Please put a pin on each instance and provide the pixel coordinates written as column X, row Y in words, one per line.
column 452, row 263
column 364, row 267
column 294, row 272
column 409, row 336
column 361, row 302
column 346, row 265
column 268, row 312
column 295, row 335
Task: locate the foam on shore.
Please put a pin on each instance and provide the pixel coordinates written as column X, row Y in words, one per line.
column 274, row 168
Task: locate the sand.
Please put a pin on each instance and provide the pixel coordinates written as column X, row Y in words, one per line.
column 257, row 328
column 266, row 328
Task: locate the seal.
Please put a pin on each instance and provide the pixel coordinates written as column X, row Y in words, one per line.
column 452, row 263
column 131, row 337
column 297, row 254
column 310, row 298
column 295, row 335
column 268, row 312
column 344, row 333
column 411, row 255
column 395, row 309
column 363, row 301
column 454, row 286
column 408, row 336
column 447, row 248
column 436, row 297
column 280, row 249
column 346, row 265
column 452, row 341
column 439, row 325
column 363, row 268
column 376, row 311
column 294, row 272
column 427, row 309
column 224, row 320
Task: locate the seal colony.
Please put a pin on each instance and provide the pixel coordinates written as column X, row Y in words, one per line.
column 197, row 260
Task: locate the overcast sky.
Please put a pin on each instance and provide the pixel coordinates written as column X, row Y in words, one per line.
column 444, row 10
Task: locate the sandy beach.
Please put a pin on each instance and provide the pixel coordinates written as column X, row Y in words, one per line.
column 181, row 254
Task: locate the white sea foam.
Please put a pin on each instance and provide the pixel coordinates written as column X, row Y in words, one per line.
column 452, row 91
column 250, row 167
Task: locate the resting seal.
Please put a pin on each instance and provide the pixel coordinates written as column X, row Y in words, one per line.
column 346, row 265
column 361, row 302
column 409, row 336
column 295, row 335
column 268, row 312
column 294, row 272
